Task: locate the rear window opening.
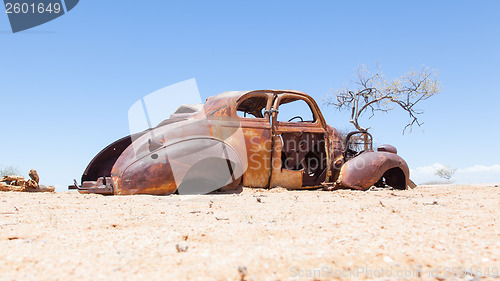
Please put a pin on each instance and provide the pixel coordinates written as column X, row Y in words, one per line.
column 252, row 107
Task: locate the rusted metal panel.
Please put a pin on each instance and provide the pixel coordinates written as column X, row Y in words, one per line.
column 259, row 147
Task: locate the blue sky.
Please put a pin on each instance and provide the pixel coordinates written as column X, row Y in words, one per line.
column 66, row 86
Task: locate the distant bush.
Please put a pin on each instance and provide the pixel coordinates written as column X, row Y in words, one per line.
column 9, row 171
column 446, row 173
column 436, row 182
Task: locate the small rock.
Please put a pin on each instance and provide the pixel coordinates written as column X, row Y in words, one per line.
column 433, row 203
column 243, row 271
column 181, row 248
column 11, row 178
column 388, row 259
column 259, row 200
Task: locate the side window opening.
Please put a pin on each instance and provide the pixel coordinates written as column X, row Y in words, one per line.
column 252, row 107
column 295, row 110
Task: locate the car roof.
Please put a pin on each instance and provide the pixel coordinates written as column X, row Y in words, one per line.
column 236, row 95
column 224, row 103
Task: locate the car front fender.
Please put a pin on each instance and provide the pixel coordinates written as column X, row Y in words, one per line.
column 365, row 170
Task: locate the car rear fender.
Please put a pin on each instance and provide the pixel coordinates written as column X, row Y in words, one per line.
column 206, row 163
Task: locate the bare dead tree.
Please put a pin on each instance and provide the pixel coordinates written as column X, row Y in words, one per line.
column 375, row 93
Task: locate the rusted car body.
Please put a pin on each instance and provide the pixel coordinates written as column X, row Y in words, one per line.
column 240, row 139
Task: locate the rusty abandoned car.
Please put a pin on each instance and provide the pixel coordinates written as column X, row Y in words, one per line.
column 263, row 139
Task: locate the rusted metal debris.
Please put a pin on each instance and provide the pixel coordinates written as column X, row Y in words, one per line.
column 255, row 149
column 20, row 184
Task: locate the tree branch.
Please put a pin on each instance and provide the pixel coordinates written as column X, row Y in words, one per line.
column 375, row 93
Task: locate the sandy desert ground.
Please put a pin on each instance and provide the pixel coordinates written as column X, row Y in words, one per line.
column 445, row 232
